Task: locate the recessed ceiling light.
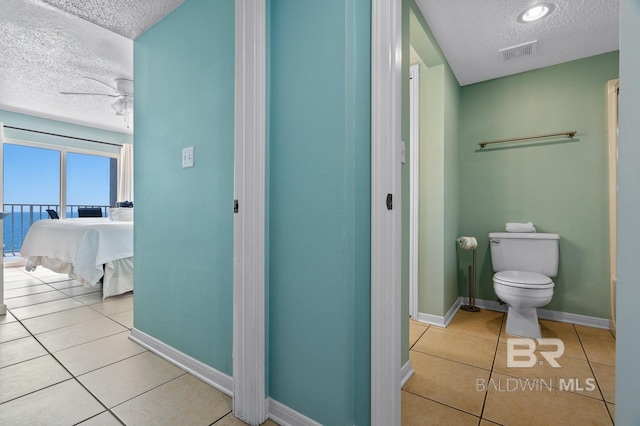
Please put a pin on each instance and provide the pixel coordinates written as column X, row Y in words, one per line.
column 536, row 12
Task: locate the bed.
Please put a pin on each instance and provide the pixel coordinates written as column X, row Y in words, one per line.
column 87, row 249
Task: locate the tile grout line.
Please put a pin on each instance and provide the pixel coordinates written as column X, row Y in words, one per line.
column 27, row 295
column 32, row 294
column 452, row 360
column 73, row 376
column 613, row 421
column 582, row 340
column 419, row 337
column 479, row 417
column 433, row 400
column 460, row 333
column 495, row 355
column 442, row 403
column 586, row 359
column 136, row 396
column 71, row 325
column 99, row 414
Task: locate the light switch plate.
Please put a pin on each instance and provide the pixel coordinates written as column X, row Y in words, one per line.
column 187, row 157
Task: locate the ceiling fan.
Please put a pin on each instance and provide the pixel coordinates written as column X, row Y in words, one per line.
column 124, row 94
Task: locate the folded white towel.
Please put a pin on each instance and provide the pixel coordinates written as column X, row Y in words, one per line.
column 121, row 214
column 520, row 227
column 467, row 243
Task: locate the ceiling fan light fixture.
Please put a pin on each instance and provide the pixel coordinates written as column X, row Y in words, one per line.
column 123, row 105
column 536, row 12
column 124, row 85
column 118, row 106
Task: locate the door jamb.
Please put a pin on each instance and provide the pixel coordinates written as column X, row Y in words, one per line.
column 414, row 191
column 386, row 202
column 249, row 388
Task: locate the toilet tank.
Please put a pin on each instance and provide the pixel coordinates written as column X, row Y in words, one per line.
column 530, row 252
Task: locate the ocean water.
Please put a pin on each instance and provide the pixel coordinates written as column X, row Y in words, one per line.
column 16, row 226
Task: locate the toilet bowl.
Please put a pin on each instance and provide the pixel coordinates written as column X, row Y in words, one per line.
column 524, row 264
column 524, row 293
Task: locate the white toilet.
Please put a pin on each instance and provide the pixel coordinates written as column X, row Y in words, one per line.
column 523, row 264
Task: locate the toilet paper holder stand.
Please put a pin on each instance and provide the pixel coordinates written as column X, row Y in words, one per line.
column 471, row 307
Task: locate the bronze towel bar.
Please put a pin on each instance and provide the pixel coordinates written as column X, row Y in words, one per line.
column 568, row 134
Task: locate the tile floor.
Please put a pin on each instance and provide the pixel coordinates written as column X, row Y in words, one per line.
column 461, row 376
column 65, row 359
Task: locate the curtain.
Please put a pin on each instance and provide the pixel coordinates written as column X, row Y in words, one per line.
column 125, row 179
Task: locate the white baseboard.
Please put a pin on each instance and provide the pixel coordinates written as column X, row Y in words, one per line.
column 278, row 412
column 286, row 416
column 207, row 374
column 405, row 373
column 549, row 314
column 438, row 320
column 452, row 311
column 574, row 318
column 494, row 305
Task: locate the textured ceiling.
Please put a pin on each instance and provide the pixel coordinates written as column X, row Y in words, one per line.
column 46, row 50
column 48, row 46
column 129, row 18
column 471, row 33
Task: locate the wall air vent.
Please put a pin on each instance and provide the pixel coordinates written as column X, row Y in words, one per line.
column 519, row 51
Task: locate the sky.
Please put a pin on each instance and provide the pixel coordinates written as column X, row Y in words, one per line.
column 32, row 176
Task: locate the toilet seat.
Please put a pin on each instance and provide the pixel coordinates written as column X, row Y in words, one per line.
column 521, row 279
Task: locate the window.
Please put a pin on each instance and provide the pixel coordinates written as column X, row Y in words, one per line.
column 38, row 177
column 91, row 182
column 31, row 186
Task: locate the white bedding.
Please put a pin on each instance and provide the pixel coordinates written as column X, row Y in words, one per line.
column 87, row 249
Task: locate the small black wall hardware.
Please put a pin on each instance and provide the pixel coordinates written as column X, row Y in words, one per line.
column 389, row 201
column 235, row 206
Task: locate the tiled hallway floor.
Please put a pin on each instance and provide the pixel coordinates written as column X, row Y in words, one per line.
column 65, row 359
column 461, row 376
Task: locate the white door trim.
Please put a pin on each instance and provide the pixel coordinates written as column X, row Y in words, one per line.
column 249, row 393
column 386, row 88
column 612, row 136
column 414, row 190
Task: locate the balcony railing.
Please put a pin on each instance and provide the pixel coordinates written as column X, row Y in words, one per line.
column 22, row 216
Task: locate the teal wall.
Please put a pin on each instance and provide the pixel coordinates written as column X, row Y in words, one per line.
column 559, row 184
column 628, row 290
column 319, row 208
column 439, row 188
column 26, row 121
column 183, row 238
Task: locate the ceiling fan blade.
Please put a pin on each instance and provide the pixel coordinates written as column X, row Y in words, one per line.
column 102, row 82
column 93, row 94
